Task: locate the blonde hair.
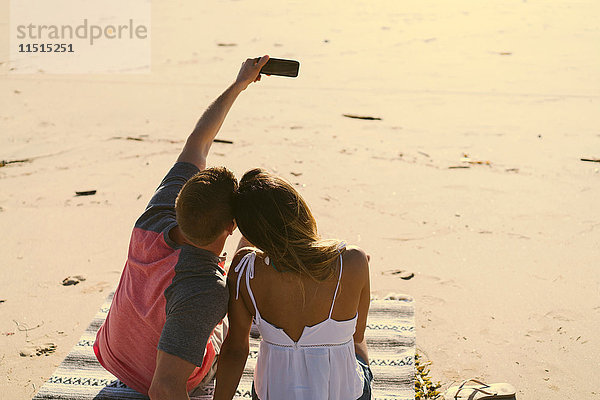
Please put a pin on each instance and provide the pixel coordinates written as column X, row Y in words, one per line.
column 273, row 216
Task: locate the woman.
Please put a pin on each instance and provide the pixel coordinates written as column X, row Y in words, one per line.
column 309, row 298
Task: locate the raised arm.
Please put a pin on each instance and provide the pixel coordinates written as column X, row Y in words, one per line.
column 198, row 143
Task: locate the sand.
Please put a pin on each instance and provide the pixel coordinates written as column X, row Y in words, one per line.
column 504, row 253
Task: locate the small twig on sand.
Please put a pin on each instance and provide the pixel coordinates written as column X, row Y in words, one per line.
column 135, row 139
column 222, row 141
column 85, row 193
column 590, row 159
column 6, row 162
column 362, row 117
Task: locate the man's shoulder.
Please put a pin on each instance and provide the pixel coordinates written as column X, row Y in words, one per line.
column 197, row 275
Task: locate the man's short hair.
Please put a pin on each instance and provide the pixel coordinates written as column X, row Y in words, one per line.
column 204, row 206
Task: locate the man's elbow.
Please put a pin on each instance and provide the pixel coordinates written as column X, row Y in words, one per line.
column 157, row 392
column 162, row 389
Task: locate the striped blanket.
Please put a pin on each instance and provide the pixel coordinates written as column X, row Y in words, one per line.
column 390, row 337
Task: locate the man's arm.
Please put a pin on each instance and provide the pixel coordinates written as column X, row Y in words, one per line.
column 198, row 143
column 170, row 378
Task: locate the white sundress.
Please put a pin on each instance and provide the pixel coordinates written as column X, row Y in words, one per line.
column 321, row 365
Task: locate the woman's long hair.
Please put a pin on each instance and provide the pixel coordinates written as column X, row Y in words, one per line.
column 273, row 216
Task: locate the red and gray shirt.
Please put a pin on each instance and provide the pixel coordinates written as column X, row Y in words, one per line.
column 170, row 297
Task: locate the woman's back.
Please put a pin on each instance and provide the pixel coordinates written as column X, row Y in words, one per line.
column 307, row 328
column 292, row 302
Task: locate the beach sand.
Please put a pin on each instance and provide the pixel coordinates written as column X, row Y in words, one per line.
column 504, row 252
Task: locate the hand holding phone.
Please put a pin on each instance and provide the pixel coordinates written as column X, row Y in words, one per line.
column 250, row 71
column 281, row 67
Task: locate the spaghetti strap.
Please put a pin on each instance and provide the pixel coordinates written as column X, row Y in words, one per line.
column 246, row 267
column 340, row 248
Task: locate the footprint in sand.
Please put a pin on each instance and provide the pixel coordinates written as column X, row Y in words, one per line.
column 561, row 315
column 397, row 296
column 98, row 287
column 440, row 281
column 432, row 300
column 32, row 350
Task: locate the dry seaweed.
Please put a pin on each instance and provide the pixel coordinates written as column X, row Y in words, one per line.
column 425, row 388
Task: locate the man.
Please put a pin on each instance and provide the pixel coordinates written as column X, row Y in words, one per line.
column 164, row 329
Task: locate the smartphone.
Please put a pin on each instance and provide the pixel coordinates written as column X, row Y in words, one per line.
column 278, row 66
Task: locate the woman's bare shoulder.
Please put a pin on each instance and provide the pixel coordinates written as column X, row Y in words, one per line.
column 356, row 260
column 237, row 258
column 241, row 253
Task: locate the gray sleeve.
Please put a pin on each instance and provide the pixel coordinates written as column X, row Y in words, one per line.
column 160, row 211
column 191, row 320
